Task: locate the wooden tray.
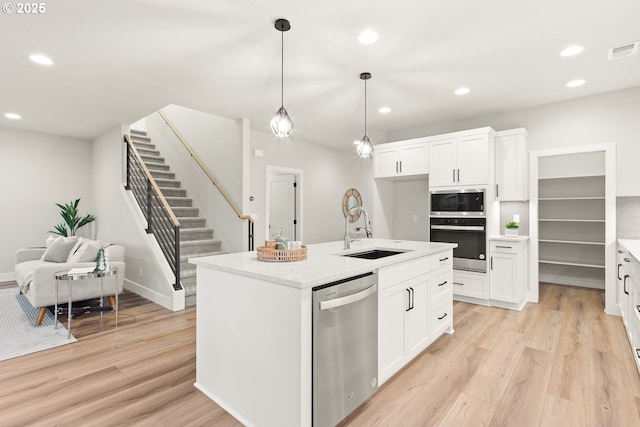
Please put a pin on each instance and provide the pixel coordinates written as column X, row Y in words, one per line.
column 281, row 255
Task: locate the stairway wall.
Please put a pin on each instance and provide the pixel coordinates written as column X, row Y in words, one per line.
column 218, row 144
column 120, row 222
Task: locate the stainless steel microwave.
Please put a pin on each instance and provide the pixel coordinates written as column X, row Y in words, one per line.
column 457, row 203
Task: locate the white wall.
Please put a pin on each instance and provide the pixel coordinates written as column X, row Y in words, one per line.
column 411, row 209
column 327, row 174
column 36, row 171
column 609, row 117
column 218, row 143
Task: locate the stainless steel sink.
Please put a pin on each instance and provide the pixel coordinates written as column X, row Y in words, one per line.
column 374, row 253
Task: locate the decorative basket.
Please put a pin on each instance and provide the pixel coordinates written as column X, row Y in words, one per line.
column 281, row 255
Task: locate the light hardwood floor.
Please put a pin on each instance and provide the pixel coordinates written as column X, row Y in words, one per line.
column 561, row 362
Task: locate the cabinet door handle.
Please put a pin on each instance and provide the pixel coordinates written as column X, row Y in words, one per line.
column 400, row 162
column 638, row 352
column 396, row 166
column 491, row 268
column 443, row 316
column 443, row 283
column 497, row 192
column 503, row 247
column 458, row 175
column 453, row 177
column 444, row 259
column 627, row 260
column 638, row 308
column 412, row 297
column 459, row 284
column 620, row 251
column 624, row 283
column 408, row 299
column 619, row 265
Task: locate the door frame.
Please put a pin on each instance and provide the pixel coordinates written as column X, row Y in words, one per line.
column 274, row 171
column 609, row 150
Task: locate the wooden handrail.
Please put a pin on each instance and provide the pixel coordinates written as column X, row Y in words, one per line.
column 164, row 202
column 205, row 170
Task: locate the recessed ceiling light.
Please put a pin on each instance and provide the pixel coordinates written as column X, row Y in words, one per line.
column 384, row 110
column 462, row 91
column 41, row 59
column 12, row 116
column 576, row 83
column 571, row 50
column 368, row 37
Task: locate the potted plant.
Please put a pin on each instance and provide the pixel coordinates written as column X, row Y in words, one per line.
column 72, row 222
column 511, row 228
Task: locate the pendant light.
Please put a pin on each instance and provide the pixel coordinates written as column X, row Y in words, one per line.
column 281, row 124
column 365, row 148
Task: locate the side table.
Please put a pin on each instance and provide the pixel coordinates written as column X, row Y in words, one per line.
column 76, row 274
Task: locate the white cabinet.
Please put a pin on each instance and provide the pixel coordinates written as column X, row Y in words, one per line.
column 415, row 307
column 629, row 296
column 507, row 272
column 462, row 159
column 468, row 284
column 401, row 158
column 403, row 332
column 511, row 165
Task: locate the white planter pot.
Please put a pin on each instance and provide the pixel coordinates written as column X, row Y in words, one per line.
column 510, row 231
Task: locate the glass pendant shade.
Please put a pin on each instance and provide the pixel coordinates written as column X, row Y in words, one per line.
column 281, row 124
column 365, row 148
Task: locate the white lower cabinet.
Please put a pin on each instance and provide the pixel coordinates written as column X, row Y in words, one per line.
column 629, row 298
column 468, row 284
column 414, row 308
column 403, row 319
column 507, row 272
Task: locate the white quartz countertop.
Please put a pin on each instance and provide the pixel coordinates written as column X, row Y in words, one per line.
column 504, row 237
column 633, row 246
column 324, row 263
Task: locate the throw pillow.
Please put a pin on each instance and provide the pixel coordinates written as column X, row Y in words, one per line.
column 60, row 249
column 87, row 251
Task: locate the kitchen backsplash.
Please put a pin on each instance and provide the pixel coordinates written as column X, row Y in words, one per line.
column 628, row 217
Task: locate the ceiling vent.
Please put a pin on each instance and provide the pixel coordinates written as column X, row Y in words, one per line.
column 624, row 50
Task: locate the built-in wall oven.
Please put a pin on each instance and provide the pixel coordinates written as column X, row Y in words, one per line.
column 458, row 216
column 457, row 203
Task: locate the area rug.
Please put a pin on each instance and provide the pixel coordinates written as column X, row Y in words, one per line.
column 18, row 335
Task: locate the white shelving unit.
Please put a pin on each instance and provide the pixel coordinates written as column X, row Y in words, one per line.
column 573, row 217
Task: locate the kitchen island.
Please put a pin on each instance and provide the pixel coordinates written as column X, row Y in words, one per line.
column 254, row 322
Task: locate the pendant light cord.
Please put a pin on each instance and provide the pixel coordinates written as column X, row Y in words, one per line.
column 365, row 107
column 282, row 68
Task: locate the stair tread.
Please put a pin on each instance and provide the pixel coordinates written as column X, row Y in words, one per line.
column 200, row 242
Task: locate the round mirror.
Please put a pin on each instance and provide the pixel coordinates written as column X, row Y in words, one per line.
column 351, row 199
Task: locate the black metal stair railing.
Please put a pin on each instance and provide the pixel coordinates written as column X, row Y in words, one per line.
column 161, row 221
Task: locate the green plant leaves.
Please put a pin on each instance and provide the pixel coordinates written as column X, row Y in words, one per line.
column 72, row 222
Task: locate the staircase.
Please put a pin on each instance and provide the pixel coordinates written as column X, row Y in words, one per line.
column 195, row 238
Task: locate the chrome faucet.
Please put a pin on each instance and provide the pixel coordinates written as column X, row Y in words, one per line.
column 367, row 225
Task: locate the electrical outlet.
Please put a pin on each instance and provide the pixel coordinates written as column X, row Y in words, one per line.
column 516, row 218
column 415, row 217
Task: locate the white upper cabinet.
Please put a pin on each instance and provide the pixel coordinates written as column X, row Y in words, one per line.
column 512, row 165
column 461, row 158
column 401, row 158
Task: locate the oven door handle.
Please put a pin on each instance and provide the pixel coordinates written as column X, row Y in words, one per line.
column 458, row 227
column 349, row 299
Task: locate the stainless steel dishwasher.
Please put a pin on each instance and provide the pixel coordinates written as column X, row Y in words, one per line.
column 345, row 347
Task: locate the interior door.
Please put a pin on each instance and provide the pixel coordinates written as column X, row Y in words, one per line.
column 282, row 206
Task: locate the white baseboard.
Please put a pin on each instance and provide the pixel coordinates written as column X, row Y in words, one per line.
column 174, row 304
column 7, row 277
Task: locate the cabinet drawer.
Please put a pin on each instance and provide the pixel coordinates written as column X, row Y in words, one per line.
column 504, row 246
column 441, row 287
column 441, row 319
column 441, row 259
column 389, row 276
column 634, row 324
column 470, row 285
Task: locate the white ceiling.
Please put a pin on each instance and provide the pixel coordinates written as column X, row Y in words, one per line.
column 117, row 61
